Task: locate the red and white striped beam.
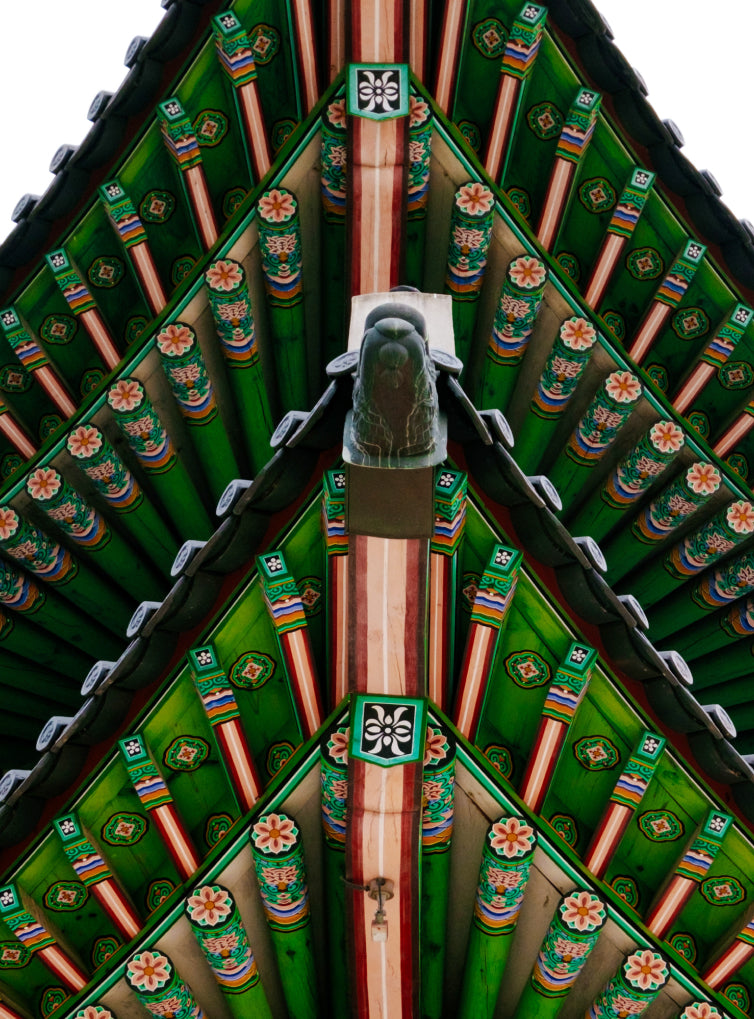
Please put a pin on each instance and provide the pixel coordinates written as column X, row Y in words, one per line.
column 288, row 617
column 154, row 795
column 620, row 228
column 131, row 232
column 669, row 295
column 561, row 703
column 220, row 706
column 520, row 53
column 83, row 306
column 450, row 518
column 732, row 959
column 181, row 142
column 93, row 872
column 715, row 354
column 689, row 872
column 18, row 914
column 336, row 546
column 578, row 128
column 237, row 60
column 624, row 799
column 492, row 600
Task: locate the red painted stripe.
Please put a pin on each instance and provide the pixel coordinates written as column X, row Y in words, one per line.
column 410, row 892
column 355, row 900
column 357, row 630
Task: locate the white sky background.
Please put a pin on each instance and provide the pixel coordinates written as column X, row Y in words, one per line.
column 58, row 54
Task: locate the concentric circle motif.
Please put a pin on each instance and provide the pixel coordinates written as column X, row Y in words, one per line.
column 626, row 888
column 10, row 463
column 52, row 999
column 597, row 194
column 13, row 955
column 690, row 323
column 58, row 328
column 566, row 827
column 699, row 422
column 684, row 944
column 103, row 949
column 49, row 424
column 722, row 891
column 471, row 133
column 738, row 994
column 14, row 378
column 500, row 759
column 210, row 127
column 134, row 328
column 157, row 892
column 658, row 375
column 469, row 588
column 124, row 829
column 521, row 200
column 735, row 375
column 186, row 753
column 596, row 753
column 265, row 43
column 181, row 267
column 217, row 827
column 738, row 463
column 232, row 200
column 157, row 206
column 252, row 670
column 570, row 265
column 310, row 589
column 527, row 669
column 281, row 132
column 661, row 825
column 277, row 756
column 489, row 38
column 90, row 380
column 65, row 896
column 106, row 271
column 615, row 323
column 545, row 120
column 645, row 264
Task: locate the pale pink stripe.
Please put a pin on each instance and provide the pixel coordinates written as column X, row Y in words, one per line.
column 202, row 204
column 554, row 202
column 146, row 270
column 339, row 566
column 611, row 249
column 417, row 28
column 298, row 648
column 740, row 427
column 95, row 326
column 117, row 908
column 693, row 385
column 382, row 854
column 546, row 749
column 437, row 636
column 385, row 563
column 254, row 121
column 474, row 676
column 238, row 752
column 180, row 848
column 54, row 388
column 62, row 966
column 601, row 852
column 307, row 60
column 675, row 895
column 337, row 22
column 733, row 959
column 501, row 125
column 451, row 41
column 16, row 436
column 648, row 332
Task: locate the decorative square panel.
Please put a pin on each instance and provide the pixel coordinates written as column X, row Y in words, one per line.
column 388, row 730
column 378, row 91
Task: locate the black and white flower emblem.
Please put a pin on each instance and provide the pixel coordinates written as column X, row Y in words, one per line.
column 378, row 90
column 388, row 730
